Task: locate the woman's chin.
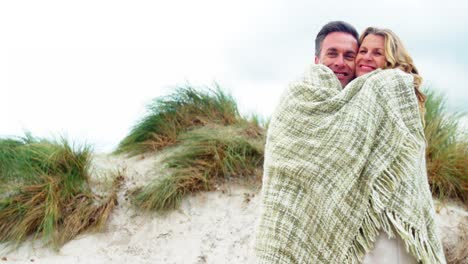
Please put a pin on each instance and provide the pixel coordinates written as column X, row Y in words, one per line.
column 360, row 73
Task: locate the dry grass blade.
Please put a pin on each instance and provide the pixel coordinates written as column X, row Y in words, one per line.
column 84, row 214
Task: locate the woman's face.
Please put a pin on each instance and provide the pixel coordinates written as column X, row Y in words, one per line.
column 371, row 54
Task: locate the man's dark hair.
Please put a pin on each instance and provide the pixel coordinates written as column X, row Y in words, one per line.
column 330, row 27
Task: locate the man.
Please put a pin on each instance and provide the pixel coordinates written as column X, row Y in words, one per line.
column 336, row 47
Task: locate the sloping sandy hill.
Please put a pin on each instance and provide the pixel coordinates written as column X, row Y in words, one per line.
column 212, row 227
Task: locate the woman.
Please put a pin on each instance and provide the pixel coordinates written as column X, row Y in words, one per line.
column 382, row 49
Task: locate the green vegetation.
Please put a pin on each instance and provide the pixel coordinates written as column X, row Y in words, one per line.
column 447, row 151
column 206, row 157
column 214, row 144
column 45, row 192
column 169, row 116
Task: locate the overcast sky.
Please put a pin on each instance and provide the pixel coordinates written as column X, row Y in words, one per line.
column 86, row 69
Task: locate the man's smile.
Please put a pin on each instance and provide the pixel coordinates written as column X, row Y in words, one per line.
column 341, row 75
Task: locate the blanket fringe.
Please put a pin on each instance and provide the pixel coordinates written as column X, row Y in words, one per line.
column 378, row 217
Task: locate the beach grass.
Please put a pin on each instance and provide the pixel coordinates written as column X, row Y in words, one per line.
column 45, row 191
column 168, row 116
column 205, row 158
column 447, row 150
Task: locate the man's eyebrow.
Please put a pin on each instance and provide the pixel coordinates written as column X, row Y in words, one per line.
column 332, row 49
column 350, row 52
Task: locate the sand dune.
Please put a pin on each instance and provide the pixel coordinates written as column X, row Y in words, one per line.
column 211, row 227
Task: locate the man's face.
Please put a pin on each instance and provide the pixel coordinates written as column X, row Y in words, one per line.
column 338, row 53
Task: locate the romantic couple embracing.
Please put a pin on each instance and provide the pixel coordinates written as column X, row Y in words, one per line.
column 345, row 176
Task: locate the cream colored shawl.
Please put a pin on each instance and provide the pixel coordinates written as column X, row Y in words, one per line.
column 341, row 164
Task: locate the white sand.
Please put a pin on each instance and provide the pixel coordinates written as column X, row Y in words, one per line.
column 213, row 227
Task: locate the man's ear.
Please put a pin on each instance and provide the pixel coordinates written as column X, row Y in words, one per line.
column 316, row 60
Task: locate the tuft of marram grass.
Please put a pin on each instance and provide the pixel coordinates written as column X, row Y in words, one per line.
column 447, row 150
column 204, row 158
column 45, row 192
column 169, row 116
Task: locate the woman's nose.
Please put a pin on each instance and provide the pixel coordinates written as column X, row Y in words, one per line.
column 367, row 56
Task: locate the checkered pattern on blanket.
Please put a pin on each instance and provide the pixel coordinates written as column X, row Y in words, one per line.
column 342, row 164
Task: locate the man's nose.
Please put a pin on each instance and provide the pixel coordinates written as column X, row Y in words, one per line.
column 339, row 60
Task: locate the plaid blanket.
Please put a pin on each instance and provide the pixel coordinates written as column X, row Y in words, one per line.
column 342, row 164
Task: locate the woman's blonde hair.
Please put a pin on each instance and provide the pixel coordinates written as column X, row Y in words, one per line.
column 397, row 57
